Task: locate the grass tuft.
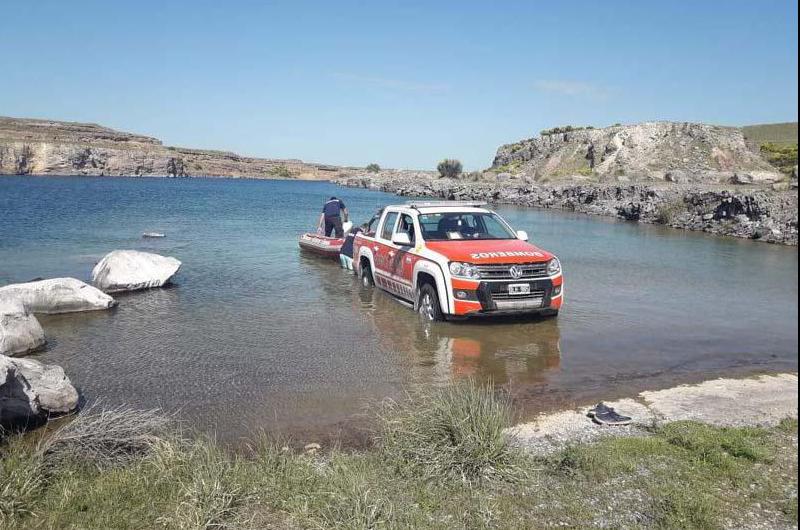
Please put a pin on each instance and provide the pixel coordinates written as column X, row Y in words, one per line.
column 210, row 494
column 719, row 445
column 455, row 431
column 106, row 438
column 21, row 481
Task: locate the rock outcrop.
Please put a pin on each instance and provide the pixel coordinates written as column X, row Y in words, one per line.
column 20, row 332
column 757, row 213
column 57, row 295
column 677, row 152
column 46, row 147
column 130, row 270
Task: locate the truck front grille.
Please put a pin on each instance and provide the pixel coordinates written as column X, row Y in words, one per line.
column 503, row 272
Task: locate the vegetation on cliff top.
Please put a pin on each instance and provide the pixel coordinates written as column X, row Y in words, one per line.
column 439, row 460
column 565, row 129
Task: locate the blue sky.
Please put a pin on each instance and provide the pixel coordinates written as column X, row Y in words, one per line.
column 403, row 84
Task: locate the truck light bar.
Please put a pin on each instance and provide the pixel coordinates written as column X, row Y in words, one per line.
column 439, row 204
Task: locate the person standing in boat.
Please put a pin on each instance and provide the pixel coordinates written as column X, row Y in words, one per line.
column 331, row 219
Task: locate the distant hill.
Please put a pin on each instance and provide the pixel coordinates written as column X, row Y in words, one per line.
column 48, row 147
column 776, row 133
column 675, row 151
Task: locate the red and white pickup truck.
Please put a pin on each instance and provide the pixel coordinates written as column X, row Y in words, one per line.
column 457, row 259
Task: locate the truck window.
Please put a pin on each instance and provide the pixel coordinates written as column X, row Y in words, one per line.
column 372, row 226
column 407, row 226
column 463, row 225
column 388, row 225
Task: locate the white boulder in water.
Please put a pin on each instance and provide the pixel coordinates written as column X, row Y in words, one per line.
column 19, row 406
column 30, row 391
column 57, row 295
column 20, row 332
column 130, row 270
column 50, row 385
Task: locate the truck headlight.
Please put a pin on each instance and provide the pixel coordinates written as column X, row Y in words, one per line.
column 464, row 270
column 553, row 267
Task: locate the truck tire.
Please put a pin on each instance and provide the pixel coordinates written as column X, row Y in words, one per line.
column 428, row 304
column 365, row 273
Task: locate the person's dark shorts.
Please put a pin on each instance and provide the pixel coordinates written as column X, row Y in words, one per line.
column 333, row 224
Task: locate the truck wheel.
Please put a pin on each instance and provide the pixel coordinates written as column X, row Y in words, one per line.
column 366, row 275
column 428, row 304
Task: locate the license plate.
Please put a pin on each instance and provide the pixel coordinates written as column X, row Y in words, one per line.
column 519, row 288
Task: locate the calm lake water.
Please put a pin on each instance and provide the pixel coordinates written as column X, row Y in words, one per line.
column 257, row 336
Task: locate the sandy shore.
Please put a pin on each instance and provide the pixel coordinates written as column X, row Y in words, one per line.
column 757, row 401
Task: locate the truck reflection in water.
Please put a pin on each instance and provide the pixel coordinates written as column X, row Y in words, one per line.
column 506, row 351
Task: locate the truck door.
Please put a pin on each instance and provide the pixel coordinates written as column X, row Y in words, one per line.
column 403, row 260
column 383, row 252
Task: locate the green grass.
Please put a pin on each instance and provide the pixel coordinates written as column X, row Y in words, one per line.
column 438, row 461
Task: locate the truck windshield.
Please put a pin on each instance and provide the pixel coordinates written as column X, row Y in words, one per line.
column 463, row 225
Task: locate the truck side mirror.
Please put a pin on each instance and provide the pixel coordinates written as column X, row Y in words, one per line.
column 401, row 239
column 522, row 234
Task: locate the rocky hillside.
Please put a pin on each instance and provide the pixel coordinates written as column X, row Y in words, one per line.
column 44, row 147
column 644, row 152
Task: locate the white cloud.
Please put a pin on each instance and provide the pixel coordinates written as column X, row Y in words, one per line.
column 395, row 84
column 570, row 88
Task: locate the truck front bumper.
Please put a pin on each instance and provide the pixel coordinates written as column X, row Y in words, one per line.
column 493, row 298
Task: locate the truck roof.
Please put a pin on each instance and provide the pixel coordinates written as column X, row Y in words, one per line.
column 440, row 206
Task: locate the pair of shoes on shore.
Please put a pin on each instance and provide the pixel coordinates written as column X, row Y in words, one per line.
column 605, row 415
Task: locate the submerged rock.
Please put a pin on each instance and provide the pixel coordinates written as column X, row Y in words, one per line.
column 130, row 270
column 20, row 332
column 50, row 385
column 57, row 295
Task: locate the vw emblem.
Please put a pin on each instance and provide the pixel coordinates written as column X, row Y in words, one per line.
column 516, row 272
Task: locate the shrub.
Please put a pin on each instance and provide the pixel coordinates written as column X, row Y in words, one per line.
column 280, row 172
column 565, row 129
column 108, row 438
column 449, row 168
column 782, row 156
column 668, row 212
column 454, row 432
column 373, row 168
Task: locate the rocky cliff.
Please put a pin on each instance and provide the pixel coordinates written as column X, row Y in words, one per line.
column 44, row 147
column 652, row 151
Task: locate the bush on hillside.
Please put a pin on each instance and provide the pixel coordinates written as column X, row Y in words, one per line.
column 449, row 168
column 373, row 168
column 280, row 172
column 782, row 156
column 565, row 129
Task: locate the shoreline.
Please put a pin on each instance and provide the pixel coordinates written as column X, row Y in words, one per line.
column 428, row 468
column 758, row 400
column 765, row 214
